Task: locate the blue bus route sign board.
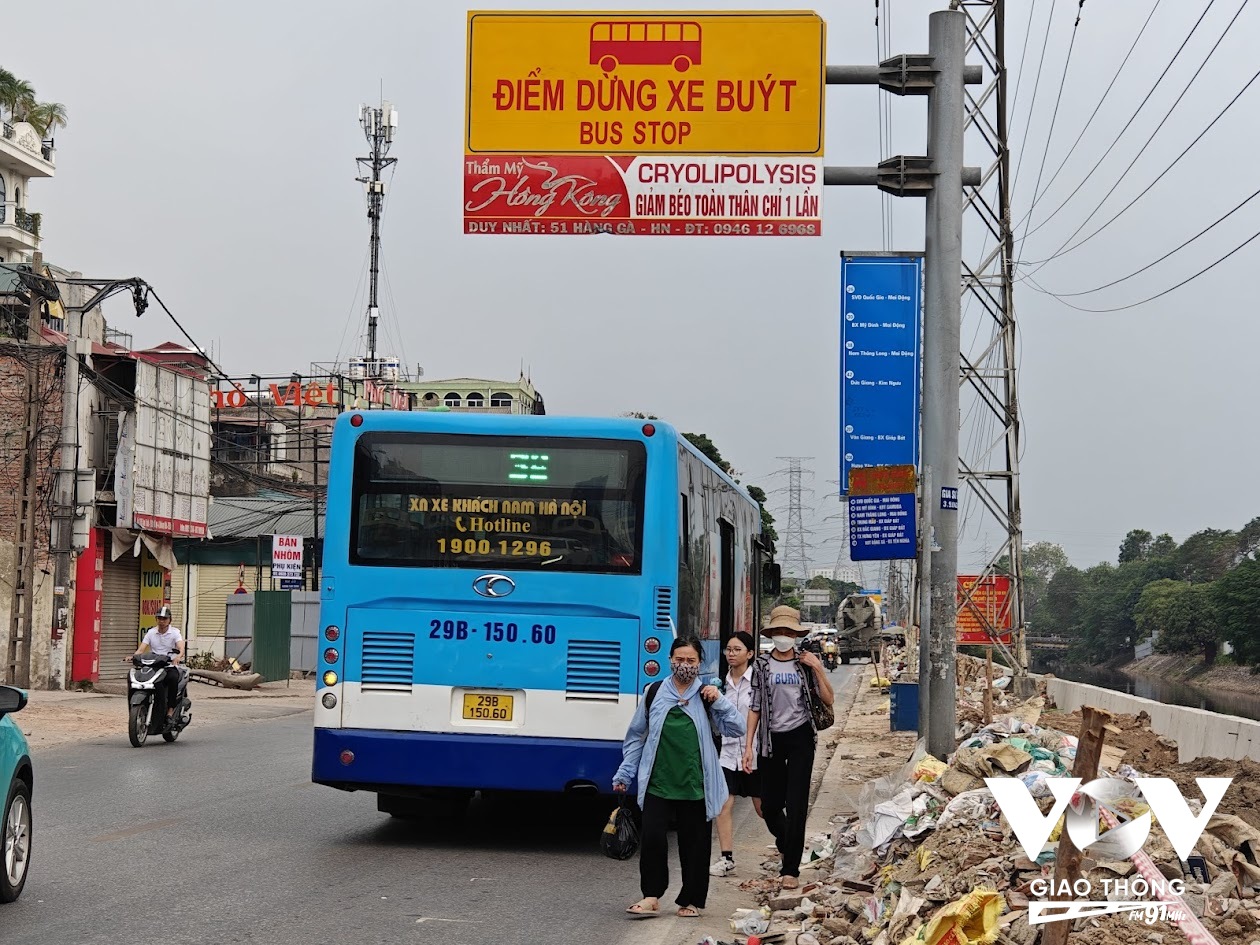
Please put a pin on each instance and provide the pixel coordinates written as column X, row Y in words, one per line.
column 880, row 315
column 881, row 527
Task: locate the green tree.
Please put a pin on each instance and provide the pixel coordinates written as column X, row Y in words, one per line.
column 1180, row 615
column 767, row 520
column 1042, row 560
column 17, row 97
column 1057, row 614
column 1206, row 555
column 1136, row 546
column 1163, row 547
column 47, row 117
column 1237, row 607
column 702, row 442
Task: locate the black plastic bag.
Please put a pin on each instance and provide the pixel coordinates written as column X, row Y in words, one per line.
column 620, row 838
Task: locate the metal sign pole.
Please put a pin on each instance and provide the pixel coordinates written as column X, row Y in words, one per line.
column 941, row 343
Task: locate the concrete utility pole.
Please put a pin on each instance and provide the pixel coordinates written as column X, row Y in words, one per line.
column 940, row 177
column 17, row 665
column 942, row 317
column 69, row 511
column 65, row 513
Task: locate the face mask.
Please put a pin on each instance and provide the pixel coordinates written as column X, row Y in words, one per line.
column 685, row 672
column 784, row 644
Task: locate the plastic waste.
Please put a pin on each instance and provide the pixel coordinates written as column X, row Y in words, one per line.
column 971, row 920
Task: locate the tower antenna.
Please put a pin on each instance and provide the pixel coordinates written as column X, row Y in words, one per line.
column 378, row 123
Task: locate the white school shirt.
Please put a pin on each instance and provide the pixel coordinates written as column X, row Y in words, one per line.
column 739, row 692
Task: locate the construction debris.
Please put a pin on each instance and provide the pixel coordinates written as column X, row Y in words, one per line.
column 929, row 859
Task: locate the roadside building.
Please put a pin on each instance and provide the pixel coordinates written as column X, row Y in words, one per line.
column 142, row 440
column 478, row 395
column 237, row 559
column 23, row 158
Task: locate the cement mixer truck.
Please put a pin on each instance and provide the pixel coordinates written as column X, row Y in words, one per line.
column 860, row 623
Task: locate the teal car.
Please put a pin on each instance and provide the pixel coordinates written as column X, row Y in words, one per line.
column 16, row 781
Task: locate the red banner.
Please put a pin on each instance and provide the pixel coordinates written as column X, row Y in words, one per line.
column 640, row 196
column 989, row 605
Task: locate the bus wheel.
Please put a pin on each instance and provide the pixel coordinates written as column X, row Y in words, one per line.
column 608, row 64
column 682, row 64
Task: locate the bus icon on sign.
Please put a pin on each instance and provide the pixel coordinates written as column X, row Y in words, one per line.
column 645, row 43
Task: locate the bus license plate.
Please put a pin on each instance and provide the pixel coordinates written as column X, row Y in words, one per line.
column 488, row 707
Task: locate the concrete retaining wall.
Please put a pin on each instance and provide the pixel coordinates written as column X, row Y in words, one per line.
column 1198, row 733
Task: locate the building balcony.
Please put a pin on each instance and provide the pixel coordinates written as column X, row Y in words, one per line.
column 19, row 230
column 21, row 150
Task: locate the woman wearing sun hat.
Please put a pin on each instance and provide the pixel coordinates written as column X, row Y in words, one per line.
column 784, row 729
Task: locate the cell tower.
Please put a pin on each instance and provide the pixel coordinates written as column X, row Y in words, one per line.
column 795, row 557
column 378, row 124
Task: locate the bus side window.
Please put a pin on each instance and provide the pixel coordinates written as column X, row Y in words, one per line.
column 684, row 529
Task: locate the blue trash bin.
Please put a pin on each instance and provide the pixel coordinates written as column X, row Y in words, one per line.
column 903, row 707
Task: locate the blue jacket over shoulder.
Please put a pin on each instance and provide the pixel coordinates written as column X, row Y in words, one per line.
column 638, row 751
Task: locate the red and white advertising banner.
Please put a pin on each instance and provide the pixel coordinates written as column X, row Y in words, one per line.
column 642, row 196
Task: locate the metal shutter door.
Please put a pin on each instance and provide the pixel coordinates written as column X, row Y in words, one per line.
column 120, row 615
column 179, row 591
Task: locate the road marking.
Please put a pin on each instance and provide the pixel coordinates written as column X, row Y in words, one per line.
column 141, row 828
column 433, row 918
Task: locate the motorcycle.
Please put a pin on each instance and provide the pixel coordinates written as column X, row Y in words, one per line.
column 830, row 661
column 146, row 699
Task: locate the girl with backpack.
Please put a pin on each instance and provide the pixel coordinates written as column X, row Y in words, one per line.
column 669, row 748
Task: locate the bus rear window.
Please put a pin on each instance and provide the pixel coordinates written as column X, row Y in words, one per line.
column 526, row 503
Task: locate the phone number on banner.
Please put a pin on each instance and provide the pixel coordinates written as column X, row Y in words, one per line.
column 515, row 225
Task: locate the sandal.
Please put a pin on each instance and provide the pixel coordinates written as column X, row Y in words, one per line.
column 688, row 912
column 641, row 910
column 790, row 882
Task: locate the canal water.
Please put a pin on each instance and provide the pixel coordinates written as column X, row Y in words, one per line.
column 1162, row 690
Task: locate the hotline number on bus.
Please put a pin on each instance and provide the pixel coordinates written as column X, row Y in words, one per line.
column 493, row 631
column 514, row 548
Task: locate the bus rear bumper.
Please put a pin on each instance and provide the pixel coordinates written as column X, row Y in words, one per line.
column 427, row 760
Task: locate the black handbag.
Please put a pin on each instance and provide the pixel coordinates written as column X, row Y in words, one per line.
column 822, row 715
column 620, row 838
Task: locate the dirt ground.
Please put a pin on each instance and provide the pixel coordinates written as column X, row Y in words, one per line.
column 1192, row 672
column 1142, row 747
column 51, row 719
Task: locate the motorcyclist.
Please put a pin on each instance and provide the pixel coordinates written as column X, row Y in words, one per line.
column 166, row 640
column 830, row 651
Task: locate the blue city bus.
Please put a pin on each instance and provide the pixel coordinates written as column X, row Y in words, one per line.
column 498, row 591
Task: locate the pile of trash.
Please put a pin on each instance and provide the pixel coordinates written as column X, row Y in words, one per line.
column 930, row 860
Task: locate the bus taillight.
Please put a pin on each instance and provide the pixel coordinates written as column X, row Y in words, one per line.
column 651, row 667
column 652, row 645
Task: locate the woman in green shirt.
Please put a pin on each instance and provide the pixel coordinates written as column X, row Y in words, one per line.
column 670, row 751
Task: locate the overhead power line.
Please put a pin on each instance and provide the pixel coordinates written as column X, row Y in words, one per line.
column 1149, row 187
column 1032, row 105
column 1054, row 117
column 1120, row 308
column 1207, row 229
column 1132, row 118
column 1097, row 108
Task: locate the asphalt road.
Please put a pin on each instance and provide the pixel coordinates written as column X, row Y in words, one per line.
column 221, row 838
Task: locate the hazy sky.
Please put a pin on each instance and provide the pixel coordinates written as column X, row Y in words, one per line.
column 211, row 150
